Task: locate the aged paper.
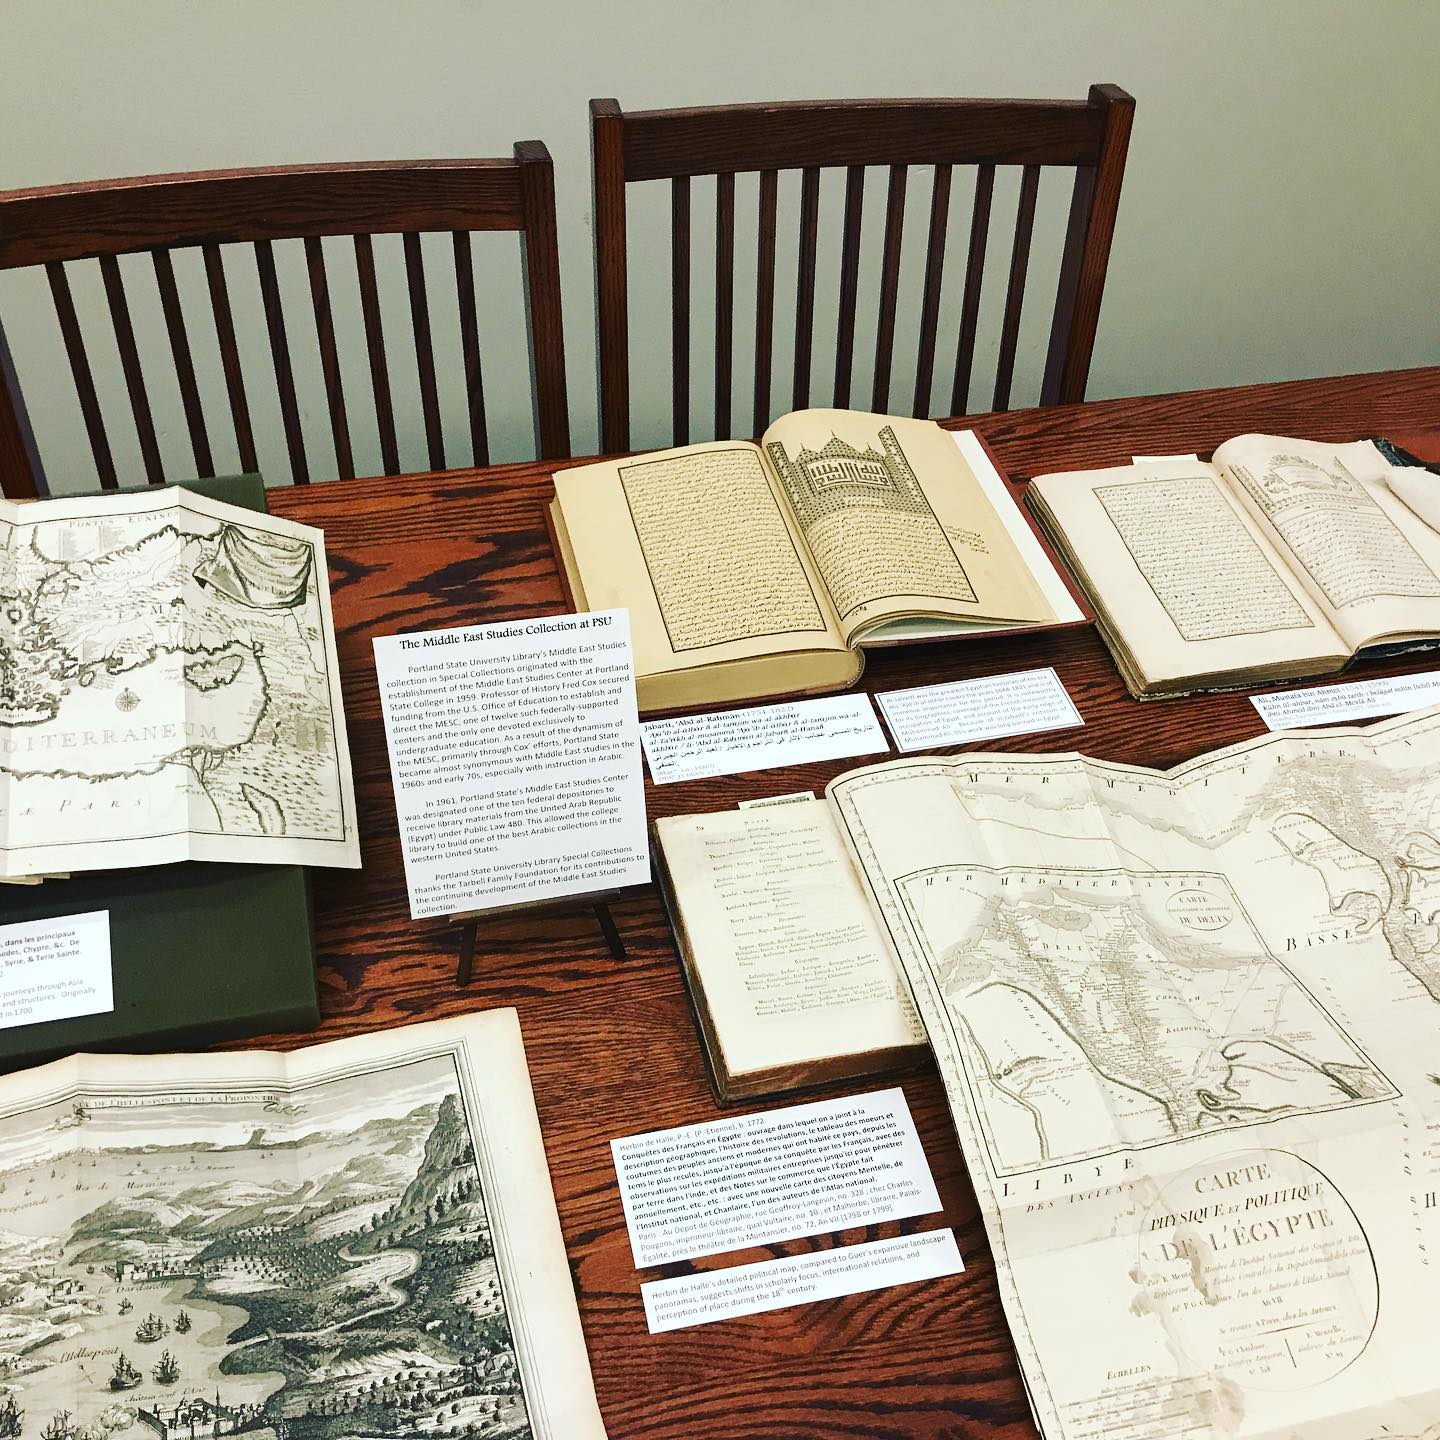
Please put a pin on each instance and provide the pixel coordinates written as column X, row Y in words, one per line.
column 168, row 687
column 190, row 1241
column 897, row 522
column 782, row 944
column 1185, row 583
column 1359, row 549
column 1187, row 1025
column 696, row 545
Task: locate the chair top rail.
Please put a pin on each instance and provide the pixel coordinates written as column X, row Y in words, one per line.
column 218, row 207
column 664, row 144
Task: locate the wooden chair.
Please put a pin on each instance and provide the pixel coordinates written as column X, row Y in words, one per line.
column 1089, row 135
column 160, row 214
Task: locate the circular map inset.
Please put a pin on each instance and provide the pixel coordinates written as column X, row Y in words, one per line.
column 1258, row 1270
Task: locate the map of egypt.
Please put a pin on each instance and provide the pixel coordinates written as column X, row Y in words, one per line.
column 167, row 671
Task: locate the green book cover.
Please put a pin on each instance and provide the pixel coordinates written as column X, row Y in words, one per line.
column 199, row 951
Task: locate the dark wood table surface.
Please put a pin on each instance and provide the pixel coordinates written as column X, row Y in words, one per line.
column 612, row 1045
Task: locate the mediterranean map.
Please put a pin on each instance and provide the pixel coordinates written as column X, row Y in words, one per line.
column 168, row 687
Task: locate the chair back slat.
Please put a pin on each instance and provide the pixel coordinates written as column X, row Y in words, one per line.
column 470, row 347
column 130, row 367
column 540, row 252
column 159, row 215
column 184, row 363
column 375, row 349
column 930, row 304
column 974, row 279
column 1015, row 289
column 280, row 359
column 424, row 349
column 19, row 455
column 329, row 356
column 849, row 283
column 724, row 298
column 80, row 370
column 1094, row 202
column 1087, row 136
column 889, row 287
column 680, row 308
column 805, row 284
column 765, row 295
column 230, row 356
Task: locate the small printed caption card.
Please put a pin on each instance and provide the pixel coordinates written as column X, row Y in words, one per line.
column 928, row 716
column 55, row 969
column 777, row 1175
column 515, row 755
column 761, row 737
column 798, row 1279
column 1353, row 700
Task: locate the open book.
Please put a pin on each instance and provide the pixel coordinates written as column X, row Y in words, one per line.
column 193, row 1239
column 1186, row 1024
column 754, row 570
column 1282, row 558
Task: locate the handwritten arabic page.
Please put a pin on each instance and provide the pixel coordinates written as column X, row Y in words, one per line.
column 187, row 1239
column 1186, row 1023
column 169, row 688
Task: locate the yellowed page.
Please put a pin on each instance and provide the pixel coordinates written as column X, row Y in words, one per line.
column 781, row 938
column 1181, row 578
column 1186, row 1022
column 696, row 545
column 896, row 521
column 1362, row 554
column 388, row 1193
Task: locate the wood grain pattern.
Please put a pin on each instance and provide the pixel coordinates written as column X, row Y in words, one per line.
column 612, row 1045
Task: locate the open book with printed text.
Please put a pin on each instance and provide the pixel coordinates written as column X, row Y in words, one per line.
column 1279, row 559
column 754, row 570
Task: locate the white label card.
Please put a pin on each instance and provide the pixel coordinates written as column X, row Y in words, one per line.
column 797, row 1279
column 778, row 1175
column 1353, row 700
column 515, row 754
column 793, row 798
column 55, row 969
column 955, row 713
column 761, row 737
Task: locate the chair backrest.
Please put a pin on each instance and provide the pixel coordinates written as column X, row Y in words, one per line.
column 1089, row 135
column 161, row 214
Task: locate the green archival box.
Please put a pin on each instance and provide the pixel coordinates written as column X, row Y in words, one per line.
column 199, row 951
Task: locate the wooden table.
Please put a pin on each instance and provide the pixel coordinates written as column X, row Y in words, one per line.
column 612, row 1045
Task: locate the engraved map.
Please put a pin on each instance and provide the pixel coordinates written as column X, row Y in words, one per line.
column 166, row 667
column 1100, row 1010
